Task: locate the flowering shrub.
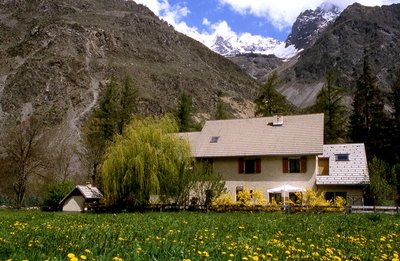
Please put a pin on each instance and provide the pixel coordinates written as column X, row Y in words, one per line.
column 246, row 201
column 310, row 200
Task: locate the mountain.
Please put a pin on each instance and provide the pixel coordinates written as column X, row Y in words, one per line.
column 358, row 30
column 58, row 55
column 231, row 45
column 310, row 24
column 257, row 65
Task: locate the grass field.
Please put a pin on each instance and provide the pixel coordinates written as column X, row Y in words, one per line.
column 198, row 236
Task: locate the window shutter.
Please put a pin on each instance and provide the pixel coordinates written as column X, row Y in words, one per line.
column 303, row 164
column 285, row 165
column 258, row 165
column 241, row 166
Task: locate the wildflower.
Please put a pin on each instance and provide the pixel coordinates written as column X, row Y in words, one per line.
column 244, row 258
column 287, row 252
column 336, row 258
column 83, row 257
column 255, row 258
column 186, row 259
column 224, row 253
column 329, row 251
column 71, row 255
column 87, row 251
column 74, row 259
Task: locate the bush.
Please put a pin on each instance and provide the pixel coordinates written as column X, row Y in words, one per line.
column 56, row 193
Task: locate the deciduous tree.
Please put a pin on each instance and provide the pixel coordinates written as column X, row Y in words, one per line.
column 147, row 159
column 23, row 156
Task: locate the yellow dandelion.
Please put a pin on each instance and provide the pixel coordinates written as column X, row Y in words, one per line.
column 244, row 258
column 255, row 258
column 74, row 259
column 87, row 251
column 71, row 255
column 83, row 257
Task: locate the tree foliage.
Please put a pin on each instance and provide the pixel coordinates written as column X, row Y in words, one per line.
column 145, row 160
column 23, row 156
column 395, row 102
column 368, row 121
column 382, row 191
column 330, row 102
column 270, row 101
column 221, row 112
column 116, row 107
column 56, row 192
column 184, row 113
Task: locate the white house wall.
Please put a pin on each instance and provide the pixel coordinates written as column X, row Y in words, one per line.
column 271, row 175
column 74, row 204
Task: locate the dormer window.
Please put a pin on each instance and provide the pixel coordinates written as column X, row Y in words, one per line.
column 342, row 157
column 214, row 139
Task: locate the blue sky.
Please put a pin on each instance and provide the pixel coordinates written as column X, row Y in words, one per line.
column 204, row 19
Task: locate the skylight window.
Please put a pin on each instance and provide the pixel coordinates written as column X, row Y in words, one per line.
column 214, row 139
column 342, row 157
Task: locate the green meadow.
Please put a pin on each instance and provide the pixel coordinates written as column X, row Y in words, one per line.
column 36, row 235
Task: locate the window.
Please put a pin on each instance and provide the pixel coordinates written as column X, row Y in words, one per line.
column 238, row 190
column 333, row 195
column 294, row 165
column 214, row 139
column 249, row 166
column 275, row 196
column 295, row 197
column 342, row 157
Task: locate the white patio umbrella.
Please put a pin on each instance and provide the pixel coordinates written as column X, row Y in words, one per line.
column 285, row 188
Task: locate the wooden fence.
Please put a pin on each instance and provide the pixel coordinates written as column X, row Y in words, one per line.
column 373, row 209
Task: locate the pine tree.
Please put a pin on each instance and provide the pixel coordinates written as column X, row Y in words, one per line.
column 270, row 101
column 221, row 112
column 395, row 102
column 184, row 112
column 330, row 102
column 116, row 107
column 128, row 103
column 368, row 121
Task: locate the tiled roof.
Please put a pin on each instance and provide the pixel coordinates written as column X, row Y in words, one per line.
column 90, row 192
column 87, row 191
column 353, row 171
column 298, row 135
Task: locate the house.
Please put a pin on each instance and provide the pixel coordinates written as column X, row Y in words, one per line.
column 80, row 198
column 343, row 171
column 272, row 152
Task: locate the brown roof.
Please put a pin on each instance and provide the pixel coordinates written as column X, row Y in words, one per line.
column 298, row 135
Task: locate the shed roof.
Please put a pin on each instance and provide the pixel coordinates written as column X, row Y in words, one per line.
column 300, row 134
column 353, row 171
column 87, row 191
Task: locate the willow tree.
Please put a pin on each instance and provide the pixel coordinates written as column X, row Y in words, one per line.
column 147, row 159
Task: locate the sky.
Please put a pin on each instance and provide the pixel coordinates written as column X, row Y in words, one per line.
column 203, row 19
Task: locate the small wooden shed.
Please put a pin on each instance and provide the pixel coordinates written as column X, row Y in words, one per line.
column 80, row 198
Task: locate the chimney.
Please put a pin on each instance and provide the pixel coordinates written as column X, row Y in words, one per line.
column 278, row 120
